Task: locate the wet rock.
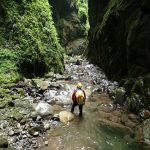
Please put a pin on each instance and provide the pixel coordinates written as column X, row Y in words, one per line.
column 35, row 134
column 44, row 109
column 3, row 142
column 50, row 94
column 63, row 99
column 43, row 85
column 46, row 143
column 28, row 82
column 34, row 130
column 23, row 121
column 130, row 124
column 146, row 130
column 145, row 114
column 46, row 126
column 57, row 108
column 11, row 133
column 133, row 117
column 66, row 116
column 54, row 85
column 34, row 115
column 119, row 95
column 49, row 75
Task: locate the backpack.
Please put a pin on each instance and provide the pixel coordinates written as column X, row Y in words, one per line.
column 79, row 97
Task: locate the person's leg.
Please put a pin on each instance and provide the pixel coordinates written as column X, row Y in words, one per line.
column 72, row 108
column 80, row 109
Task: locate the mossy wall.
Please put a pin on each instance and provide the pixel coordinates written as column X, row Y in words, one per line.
column 28, row 39
column 70, row 18
column 119, row 40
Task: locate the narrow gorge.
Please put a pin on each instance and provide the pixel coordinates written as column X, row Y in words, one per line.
column 47, row 47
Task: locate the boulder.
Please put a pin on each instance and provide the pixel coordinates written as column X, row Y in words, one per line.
column 44, row 109
column 43, row 85
column 66, row 116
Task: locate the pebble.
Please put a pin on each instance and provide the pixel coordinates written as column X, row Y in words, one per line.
column 35, row 133
column 46, row 143
column 46, row 126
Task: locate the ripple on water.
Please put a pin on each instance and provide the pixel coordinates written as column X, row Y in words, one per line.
column 87, row 134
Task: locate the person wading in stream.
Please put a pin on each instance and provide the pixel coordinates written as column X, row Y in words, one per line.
column 78, row 98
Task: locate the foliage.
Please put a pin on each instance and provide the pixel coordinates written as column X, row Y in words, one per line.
column 8, row 65
column 28, row 29
column 83, row 12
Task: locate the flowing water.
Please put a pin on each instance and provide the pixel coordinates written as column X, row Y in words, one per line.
column 87, row 133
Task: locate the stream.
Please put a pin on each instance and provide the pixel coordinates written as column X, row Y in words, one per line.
column 89, row 132
column 104, row 126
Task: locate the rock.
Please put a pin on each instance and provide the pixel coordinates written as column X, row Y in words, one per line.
column 146, row 114
column 35, row 134
column 46, row 143
column 50, row 94
column 133, row 117
column 43, row 85
column 66, row 116
column 76, row 47
column 49, row 75
column 146, row 129
column 44, row 109
column 55, row 85
column 34, row 115
column 119, row 95
column 35, row 130
column 46, row 126
column 63, row 99
column 11, row 133
column 78, row 62
column 130, row 124
column 3, row 142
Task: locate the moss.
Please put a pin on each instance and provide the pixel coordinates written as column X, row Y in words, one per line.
column 4, row 92
column 28, row 29
column 83, row 13
column 3, row 103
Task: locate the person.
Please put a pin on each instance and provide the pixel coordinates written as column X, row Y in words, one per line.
column 78, row 98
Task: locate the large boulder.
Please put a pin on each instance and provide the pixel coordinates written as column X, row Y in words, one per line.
column 66, row 116
column 44, row 109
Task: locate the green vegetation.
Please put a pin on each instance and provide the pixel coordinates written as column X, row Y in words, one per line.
column 28, row 40
column 83, row 12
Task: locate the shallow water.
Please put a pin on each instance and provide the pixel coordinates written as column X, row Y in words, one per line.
column 87, row 133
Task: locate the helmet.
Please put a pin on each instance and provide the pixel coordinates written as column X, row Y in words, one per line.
column 79, row 85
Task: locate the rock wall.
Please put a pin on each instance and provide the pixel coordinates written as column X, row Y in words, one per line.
column 28, row 40
column 70, row 20
column 119, row 41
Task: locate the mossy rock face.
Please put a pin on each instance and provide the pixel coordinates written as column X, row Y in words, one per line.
column 3, row 142
column 28, row 40
column 119, row 37
column 119, row 41
column 70, row 17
